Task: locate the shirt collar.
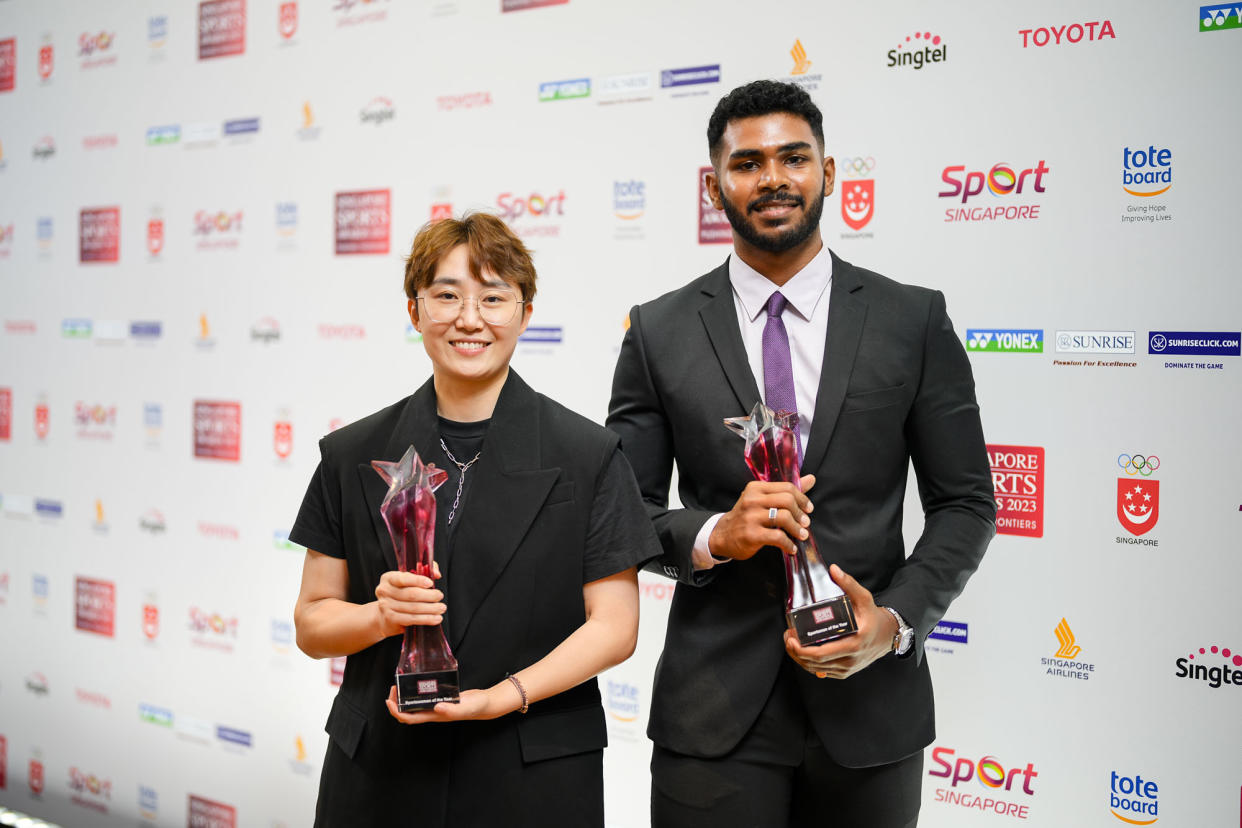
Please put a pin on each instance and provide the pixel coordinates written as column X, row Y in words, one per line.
column 803, row 291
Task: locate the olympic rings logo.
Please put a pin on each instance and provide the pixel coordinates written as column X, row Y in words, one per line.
column 857, row 166
column 1138, row 464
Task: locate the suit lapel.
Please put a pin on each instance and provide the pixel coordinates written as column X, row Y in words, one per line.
column 719, row 316
column 417, row 426
column 847, row 312
column 506, row 494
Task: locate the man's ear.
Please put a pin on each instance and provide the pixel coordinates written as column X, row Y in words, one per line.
column 830, row 175
column 713, row 189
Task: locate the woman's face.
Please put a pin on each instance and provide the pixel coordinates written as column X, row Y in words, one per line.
column 465, row 348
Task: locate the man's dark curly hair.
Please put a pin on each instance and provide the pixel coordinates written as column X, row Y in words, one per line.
column 763, row 97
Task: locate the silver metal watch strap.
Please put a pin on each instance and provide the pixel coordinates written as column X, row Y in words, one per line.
column 901, row 627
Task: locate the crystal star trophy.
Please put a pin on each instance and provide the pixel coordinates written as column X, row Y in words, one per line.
column 426, row 670
column 815, row 607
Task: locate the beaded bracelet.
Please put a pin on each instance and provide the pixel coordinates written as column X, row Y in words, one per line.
column 521, row 691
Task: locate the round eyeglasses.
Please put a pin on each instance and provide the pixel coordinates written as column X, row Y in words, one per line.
column 495, row 306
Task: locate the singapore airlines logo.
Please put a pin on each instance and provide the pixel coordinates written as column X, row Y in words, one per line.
column 801, row 63
column 1065, row 638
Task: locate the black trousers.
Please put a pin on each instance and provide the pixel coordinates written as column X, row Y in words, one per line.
column 471, row 775
column 780, row 775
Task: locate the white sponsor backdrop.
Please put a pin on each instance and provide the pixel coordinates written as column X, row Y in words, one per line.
column 203, row 694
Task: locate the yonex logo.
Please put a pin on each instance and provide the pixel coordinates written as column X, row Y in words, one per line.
column 1028, row 341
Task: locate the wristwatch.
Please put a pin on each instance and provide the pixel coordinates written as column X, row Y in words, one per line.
column 904, row 638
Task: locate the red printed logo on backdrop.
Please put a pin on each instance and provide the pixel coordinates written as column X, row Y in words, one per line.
column 99, row 234
column 522, row 5
column 362, row 221
column 858, row 202
column 34, row 776
column 1018, row 480
column 1138, row 496
column 1138, row 504
column 8, row 64
column 4, row 763
column 221, row 28
column 155, row 236
column 89, row 790
column 207, row 813
column 288, row 20
column 150, row 621
column 217, row 430
column 217, row 230
column 46, row 62
column 95, row 604
column 439, row 212
column 43, row 419
column 713, row 224
column 283, row 443
column 6, row 414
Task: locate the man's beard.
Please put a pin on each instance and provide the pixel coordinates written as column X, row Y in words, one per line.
column 784, row 240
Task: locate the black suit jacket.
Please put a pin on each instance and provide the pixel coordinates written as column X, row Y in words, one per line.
column 512, row 580
column 895, row 387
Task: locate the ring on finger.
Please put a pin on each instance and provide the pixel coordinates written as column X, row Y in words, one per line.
column 772, row 516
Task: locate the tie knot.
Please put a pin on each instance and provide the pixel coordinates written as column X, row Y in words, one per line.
column 776, row 304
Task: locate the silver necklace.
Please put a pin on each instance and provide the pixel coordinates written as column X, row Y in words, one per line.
column 461, row 480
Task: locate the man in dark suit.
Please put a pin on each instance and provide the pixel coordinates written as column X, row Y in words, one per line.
column 751, row 728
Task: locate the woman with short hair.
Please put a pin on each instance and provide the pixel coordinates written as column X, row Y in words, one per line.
column 539, row 530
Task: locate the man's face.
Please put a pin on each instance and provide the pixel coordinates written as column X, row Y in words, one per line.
column 771, row 179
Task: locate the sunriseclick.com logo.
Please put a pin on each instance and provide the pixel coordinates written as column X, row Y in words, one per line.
column 1198, row 343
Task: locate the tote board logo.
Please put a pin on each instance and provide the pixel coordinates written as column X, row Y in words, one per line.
column 1136, row 798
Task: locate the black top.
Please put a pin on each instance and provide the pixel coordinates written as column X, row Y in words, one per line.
column 465, row 441
column 614, row 544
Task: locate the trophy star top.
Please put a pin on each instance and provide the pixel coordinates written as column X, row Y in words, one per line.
column 409, row 472
column 760, row 419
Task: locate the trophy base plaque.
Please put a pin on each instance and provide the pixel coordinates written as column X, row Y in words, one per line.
column 822, row 622
column 423, row 691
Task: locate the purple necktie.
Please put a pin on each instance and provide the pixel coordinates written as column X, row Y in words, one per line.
column 778, row 379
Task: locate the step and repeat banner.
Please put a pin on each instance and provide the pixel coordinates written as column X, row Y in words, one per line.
column 203, row 212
